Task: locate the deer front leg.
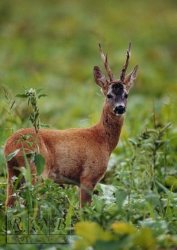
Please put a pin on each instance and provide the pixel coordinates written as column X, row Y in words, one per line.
column 86, row 189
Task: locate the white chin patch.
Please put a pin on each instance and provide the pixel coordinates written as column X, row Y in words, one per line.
column 119, row 114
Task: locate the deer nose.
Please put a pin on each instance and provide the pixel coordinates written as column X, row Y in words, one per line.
column 119, row 109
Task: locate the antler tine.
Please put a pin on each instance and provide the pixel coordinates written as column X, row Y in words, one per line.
column 106, row 64
column 123, row 72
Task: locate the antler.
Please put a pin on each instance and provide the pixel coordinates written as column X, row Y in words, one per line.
column 106, row 64
column 124, row 69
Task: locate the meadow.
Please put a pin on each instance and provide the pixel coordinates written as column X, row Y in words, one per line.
column 52, row 46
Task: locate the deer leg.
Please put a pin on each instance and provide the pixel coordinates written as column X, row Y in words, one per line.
column 11, row 177
column 86, row 189
column 85, row 196
column 13, row 167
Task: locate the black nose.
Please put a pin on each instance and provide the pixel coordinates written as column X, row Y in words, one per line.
column 119, row 109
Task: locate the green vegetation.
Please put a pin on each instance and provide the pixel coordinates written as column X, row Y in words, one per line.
column 53, row 46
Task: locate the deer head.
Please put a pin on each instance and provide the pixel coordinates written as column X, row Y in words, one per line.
column 116, row 91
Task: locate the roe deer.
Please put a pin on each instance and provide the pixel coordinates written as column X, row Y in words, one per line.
column 79, row 156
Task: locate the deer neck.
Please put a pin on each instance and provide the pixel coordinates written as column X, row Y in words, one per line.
column 111, row 127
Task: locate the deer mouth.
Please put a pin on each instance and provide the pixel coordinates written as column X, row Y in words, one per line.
column 118, row 114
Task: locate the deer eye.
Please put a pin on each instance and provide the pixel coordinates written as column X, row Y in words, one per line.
column 126, row 95
column 109, row 96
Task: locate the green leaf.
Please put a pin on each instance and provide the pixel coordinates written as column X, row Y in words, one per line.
column 123, row 228
column 39, row 162
column 145, row 239
column 41, row 95
column 91, row 232
column 43, row 125
column 167, row 126
column 11, row 106
column 133, row 142
column 38, row 90
column 121, row 195
column 12, row 155
column 171, row 181
column 21, row 95
column 153, row 199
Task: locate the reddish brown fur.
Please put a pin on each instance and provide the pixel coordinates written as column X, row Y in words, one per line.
column 77, row 156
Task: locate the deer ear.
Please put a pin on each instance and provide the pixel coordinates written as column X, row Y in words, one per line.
column 130, row 78
column 100, row 79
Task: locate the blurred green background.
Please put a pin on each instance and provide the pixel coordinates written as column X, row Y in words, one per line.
column 53, row 45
